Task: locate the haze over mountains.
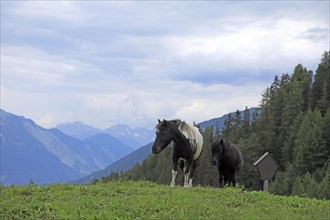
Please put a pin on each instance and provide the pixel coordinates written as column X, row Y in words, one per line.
column 133, row 137
column 72, row 152
column 30, row 152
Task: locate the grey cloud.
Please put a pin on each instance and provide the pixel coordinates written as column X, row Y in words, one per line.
column 142, row 54
column 316, row 34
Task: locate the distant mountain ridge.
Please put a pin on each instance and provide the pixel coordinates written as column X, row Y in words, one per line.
column 123, row 164
column 30, row 152
column 220, row 121
column 133, row 137
column 78, row 130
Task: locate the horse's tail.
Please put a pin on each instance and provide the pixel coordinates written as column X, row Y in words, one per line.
column 240, row 159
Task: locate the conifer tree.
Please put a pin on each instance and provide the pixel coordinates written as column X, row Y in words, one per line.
column 235, row 131
column 321, row 86
column 228, row 127
column 251, row 151
column 311, row 187
column 310, row 147
column 298, row 187
column 325, row 183
column 326, row 132
column 289, row 144
column 246, row 126
column 277, row 186
column 217, row 133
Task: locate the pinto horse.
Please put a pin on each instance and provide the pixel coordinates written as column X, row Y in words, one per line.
column 187, row 147
column 228, row 159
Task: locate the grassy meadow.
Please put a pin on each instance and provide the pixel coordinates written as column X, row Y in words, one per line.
column 146, row 200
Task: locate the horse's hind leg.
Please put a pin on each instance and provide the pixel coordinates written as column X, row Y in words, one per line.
column 186, row 170
column 226, row 178
column 232, row 179
column 192, row 172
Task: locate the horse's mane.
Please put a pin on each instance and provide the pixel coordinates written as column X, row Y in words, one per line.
column 186, row 130
column 159, row 125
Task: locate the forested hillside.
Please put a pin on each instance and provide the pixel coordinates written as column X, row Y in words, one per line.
column 293, row 125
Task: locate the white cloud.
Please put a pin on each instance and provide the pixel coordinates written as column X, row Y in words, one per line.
column 104, row 63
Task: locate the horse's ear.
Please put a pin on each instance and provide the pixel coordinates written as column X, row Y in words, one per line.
column 158, row 121
column 164, row 122
column 221, row 142
column 211, row 140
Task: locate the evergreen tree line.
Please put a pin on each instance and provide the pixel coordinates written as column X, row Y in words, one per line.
column 292, row 124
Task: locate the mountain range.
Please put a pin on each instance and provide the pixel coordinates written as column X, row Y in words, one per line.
column 133, row 137
column 71, row 152
column 120, row 165
column 30, row 152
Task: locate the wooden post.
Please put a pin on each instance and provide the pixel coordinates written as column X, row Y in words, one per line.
column 266, row 185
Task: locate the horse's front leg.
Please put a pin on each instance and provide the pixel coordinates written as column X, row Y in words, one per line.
column 220, row 176
column 174, row 170
column 187, row 173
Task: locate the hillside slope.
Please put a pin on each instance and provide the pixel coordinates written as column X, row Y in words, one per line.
column 146, row 200
column 122, row 164
column 32, row 153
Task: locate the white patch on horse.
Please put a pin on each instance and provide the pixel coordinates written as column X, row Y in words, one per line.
column 195, row 138
column 174, row 173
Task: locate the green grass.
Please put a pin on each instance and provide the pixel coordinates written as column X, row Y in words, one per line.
column 145, row 200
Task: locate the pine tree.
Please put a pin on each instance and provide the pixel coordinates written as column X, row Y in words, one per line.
column 289, row 144
column 304, row 79
column 326, row 132
column 311, row 187
column 290, row 176
column 217, row 133
column 310, row 147
column 324, row 185
column 321, row 86
column 277, row 186
column 298, row 187
column 246, row 126
column 237, row 128
column 228, row 127
column 284, row 183
column 251, row 151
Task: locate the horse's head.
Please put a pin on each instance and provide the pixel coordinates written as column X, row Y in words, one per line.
column 164, row 135
column 216, row 149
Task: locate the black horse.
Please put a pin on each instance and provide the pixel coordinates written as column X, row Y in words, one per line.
column 228, row 159
column 187, row 146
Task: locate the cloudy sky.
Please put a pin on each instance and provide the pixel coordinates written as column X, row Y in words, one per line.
column 109, row 62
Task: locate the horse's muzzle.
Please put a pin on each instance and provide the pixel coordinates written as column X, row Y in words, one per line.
column 154, row 150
